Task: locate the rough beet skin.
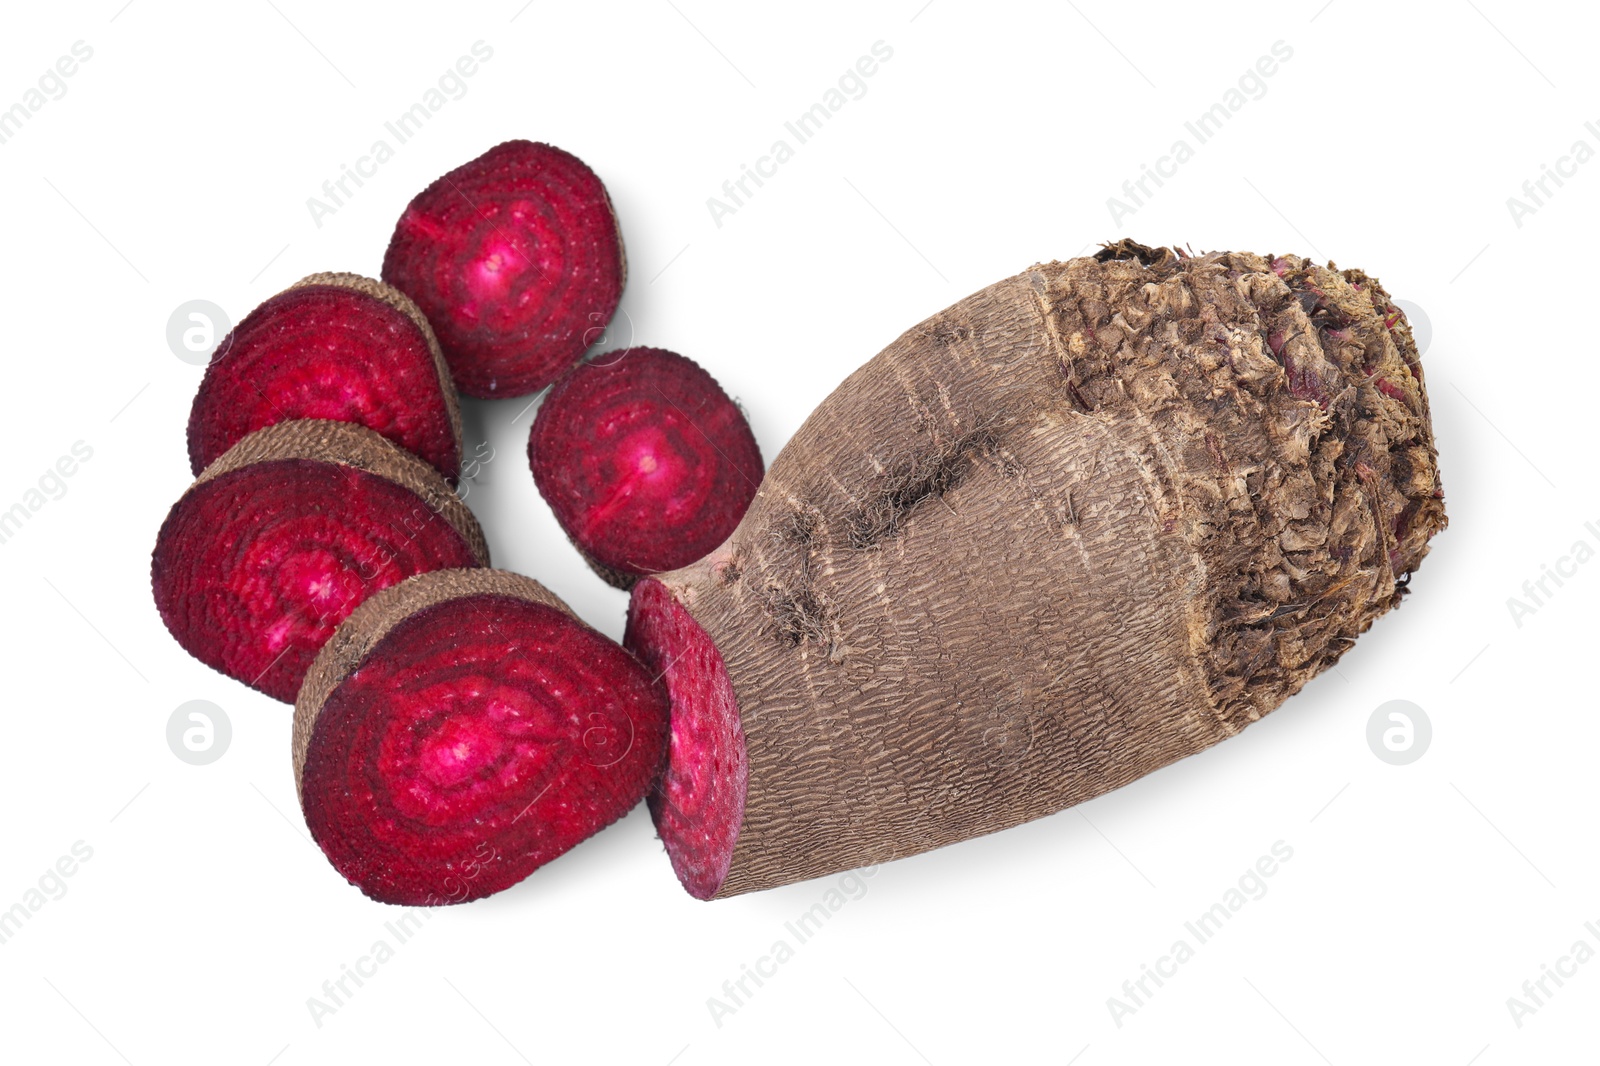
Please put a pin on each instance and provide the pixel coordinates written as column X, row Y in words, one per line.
column 1081, row 524
column 332, row 346
column 517, row 261
column 280, row 539
column 644, row 460
column 461, row 730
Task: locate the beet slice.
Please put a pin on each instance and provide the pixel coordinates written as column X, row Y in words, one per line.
column 461, row 730
column 645, row 461
column 517, row 261
column 340, row 347
column 281, row 538
column 698, row 805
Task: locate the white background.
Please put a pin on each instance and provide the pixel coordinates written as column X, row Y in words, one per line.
column 177, row 166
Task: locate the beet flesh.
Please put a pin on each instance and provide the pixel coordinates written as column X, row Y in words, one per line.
column 285, row 534
column 333, row 346
column 516, row 259
column 644, row 460
column 698, row 805
column 462, row 730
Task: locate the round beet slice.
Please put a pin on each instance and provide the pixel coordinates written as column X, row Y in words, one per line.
column 332, row 346
column 461, row 730
column 517, row 261
column 645, row 461
column 285, row 534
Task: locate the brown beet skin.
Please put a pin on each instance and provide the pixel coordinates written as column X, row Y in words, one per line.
column 1091, row 519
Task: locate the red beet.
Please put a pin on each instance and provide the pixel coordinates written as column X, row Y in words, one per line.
column 698, row 805
column 516, row 260
column 331, row 346
column 461, row 730
column 281, row 538
column 645, row 461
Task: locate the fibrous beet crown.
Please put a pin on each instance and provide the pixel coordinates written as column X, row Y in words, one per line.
column 1087, row 521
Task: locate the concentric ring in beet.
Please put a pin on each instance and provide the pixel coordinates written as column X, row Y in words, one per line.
column 332, row 346
column 286, row 533
column 517, row 261
column 462, row 730
column 645, row 461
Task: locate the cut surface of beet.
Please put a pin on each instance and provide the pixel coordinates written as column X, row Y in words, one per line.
column 285, row 534
column 517, row 262
column 698, row 805
column 462, row 730
column 644, row 460
column 332, row 346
